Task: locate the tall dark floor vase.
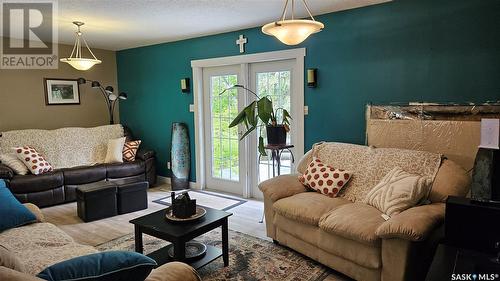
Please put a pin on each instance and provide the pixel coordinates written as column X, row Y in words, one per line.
column 180, row 156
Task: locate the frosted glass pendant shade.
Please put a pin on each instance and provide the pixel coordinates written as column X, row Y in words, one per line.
column 292, row 32
column 81, row 64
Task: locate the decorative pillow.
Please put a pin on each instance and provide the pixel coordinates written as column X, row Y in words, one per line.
column 398, row 191
column 35, row 162
column 112, row 265
column 11, row 160
column 12, row 213
column 115, row 151
column 9, row 260
column 324, row 179
column 130, row 150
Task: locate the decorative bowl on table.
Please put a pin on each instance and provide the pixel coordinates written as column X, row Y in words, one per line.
column 199, row 213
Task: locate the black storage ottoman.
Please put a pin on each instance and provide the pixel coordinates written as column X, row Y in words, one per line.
column 96, row 200
column 132, row 197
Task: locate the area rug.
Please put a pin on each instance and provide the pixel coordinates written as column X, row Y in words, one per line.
column 250, row 259
column 207, row 199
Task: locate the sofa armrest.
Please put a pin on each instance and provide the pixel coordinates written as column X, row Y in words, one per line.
column 6, row 172
column 145, row 154
column 281, row 187
column 36, row 211
column 414, row 224
column 173, row 271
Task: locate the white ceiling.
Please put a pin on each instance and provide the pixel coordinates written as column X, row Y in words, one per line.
column 122, row 24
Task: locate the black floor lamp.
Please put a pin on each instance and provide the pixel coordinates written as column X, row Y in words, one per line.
column 109, row 96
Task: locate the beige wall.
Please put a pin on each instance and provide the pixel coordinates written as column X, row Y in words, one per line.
column 22, row 96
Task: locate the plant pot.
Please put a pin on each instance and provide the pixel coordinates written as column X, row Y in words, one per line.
column 276, row 135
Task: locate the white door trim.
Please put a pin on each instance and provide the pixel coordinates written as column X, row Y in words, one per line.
column 251, row 58
column 198, row 65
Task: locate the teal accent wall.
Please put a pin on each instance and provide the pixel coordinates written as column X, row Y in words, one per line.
column 407, row 50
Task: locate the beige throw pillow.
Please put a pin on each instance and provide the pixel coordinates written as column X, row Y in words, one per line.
column 11, row 161
column 398, row 191
column 115, row 151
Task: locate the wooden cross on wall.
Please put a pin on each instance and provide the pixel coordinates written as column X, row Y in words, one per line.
column 241, row 41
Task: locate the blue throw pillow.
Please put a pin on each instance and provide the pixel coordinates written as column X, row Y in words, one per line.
column 104, row 266
column 12, row 213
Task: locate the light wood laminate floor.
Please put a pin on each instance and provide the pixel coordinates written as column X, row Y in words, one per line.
column 245, row 219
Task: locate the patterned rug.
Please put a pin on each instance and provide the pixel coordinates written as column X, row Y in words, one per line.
column 250, row 259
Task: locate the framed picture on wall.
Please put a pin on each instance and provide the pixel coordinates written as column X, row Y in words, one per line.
column 61, row 91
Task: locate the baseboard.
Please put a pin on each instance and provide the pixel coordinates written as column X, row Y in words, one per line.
column 167, row 180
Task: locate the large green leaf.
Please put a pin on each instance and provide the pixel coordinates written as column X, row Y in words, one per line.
column 238, row 119
column 247, row 132
column 262, row 151
column 250, row 114
column 265, row 109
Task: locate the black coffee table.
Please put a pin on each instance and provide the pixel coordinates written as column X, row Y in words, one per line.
column 178, row 233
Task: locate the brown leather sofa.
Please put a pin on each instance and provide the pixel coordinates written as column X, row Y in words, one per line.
column 60, row 186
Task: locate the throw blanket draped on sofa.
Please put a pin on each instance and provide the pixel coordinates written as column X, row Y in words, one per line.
column 369, row 165
column 65, row 147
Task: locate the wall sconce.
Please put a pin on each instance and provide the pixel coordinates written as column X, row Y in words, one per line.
column 185, row 85
column 312, row 77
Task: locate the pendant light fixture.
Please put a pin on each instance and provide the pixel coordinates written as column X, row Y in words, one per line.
column 75, row 59
column 293, row 31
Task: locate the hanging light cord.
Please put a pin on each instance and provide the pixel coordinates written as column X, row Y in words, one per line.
column 283, row 14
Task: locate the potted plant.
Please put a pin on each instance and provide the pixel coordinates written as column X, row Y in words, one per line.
column 261, row 113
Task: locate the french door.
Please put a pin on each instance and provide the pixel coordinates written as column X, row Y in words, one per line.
column 225, row 155
column 234, row 166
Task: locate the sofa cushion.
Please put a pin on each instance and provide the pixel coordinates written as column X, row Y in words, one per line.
column 33, row 160
column 130, row 150
column 114, row 153
column 360, row 253
column 84, row 174
column 451, row 179
column 32, row 183
column 356, row 221
column 11, row 161
column 325, row 179
column 306, row 232
column 307, row 207
column 12, row 213
column 104, row 266
column 9, row 260
column 127, row 169
column 39, row 245
column 7, row 274
column 173, row 271
column 398, row 191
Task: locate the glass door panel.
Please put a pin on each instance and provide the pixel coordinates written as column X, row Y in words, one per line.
column 275, row 85
column 223, row 150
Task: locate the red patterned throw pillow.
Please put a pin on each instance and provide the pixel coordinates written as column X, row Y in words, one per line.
column 324, row 179
column 130, row 150
column 33, row 160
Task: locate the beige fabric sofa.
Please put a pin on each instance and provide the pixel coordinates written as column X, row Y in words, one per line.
column 350, row 236
column 39, row 245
